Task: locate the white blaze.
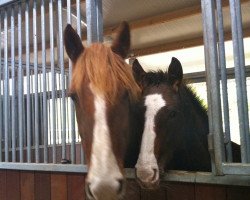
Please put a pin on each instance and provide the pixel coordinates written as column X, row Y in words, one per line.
column 147, row 160
column 103, row 164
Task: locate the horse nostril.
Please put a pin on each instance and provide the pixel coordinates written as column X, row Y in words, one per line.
column 154, row 175
column 88, row 191
column 121, row 186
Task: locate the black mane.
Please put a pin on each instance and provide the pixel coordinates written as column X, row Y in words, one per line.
column 189, row 95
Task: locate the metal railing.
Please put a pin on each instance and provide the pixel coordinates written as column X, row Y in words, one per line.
column 215, row 65
column 37, row 119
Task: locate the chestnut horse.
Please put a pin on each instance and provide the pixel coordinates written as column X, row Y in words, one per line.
column 175, row 127
column 104, row 92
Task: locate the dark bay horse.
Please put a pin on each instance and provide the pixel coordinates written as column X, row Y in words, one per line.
column 104, row 92
column 175, row 127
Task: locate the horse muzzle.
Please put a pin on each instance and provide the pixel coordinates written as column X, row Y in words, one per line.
column 110, row 189
column 148, row 177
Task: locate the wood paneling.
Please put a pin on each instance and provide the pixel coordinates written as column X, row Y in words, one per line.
column 238, row 193
column 3, row 184
column 158, row 194
column 42, row 186
column 12, row 185
column 133, row 191
column 58, row 186
column 210, row 192
column 177, row 191
column 27, row 184
column 76, row 186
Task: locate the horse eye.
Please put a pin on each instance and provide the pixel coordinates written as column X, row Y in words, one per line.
column 172, row 114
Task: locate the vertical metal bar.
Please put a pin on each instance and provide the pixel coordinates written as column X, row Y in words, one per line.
column 53, row 123
column 78, row 15
column 213, row 84
column 13, row 99
column 61, row 63
column 45, row 120
column 36, row 81
column 243, row 75
column 1, row 110
column 94, row 21
column 20, row 83
column 222, row 61
column 72, row 108
column 206, row 44
column 240, row 79
column 6, row 87
column 28, row 102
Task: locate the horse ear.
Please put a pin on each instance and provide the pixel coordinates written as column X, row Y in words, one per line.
column 175, row 73
column 73, row 43
column 121, row 44
column 138, row 71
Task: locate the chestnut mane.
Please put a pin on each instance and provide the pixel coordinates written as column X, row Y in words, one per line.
column 106, row 71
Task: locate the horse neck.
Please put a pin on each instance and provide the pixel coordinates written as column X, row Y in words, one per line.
column 194, row 113
column 196, row 131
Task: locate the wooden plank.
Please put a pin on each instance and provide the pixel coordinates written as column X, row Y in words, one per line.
column 3, row 184
column 76, row 186
column 133, row 190
column 42, row 186
column 27, row 184
column 177, row 191
column 12, row 185
column 170, row 46
column 159, row 194
column 238, row 193
column 58, row 186
column 210, row 192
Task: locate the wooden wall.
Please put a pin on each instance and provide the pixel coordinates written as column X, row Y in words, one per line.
column 29, row 185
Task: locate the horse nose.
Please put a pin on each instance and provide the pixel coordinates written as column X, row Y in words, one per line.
column 99, row 190
column 148, row 177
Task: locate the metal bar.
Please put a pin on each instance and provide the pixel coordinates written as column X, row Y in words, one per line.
column 1, row 110
column 78, row 15
column 213, row 84
column 36, row 82
column 237, row 168
column 61, row 63
column 45, row 120
column 20, row 83
column 243, row 75
column 28, row 102
column 206, row 44
column 13, row 99
column 94, row 21
column 48, row 109
column 72, row 108
column 222, row 61
column 6, row 87
column 53, row 123
column 44, row 167
column 239, row 83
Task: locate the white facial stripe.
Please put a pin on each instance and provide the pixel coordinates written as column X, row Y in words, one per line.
column 147, row 159
column 103, row 162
